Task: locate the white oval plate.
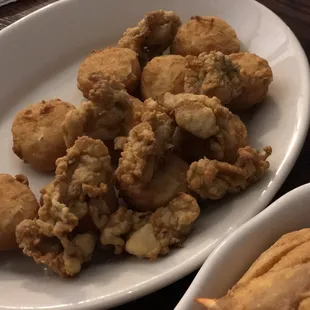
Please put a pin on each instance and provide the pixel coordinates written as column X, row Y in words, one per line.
column 231, row 259
column 40, row 55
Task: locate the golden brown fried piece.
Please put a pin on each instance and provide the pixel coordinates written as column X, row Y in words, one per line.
column 287, row 289
column 152, row 35
column 120, row 63
column 290, row 250
column 142, row 111
column 108, row 114
column 142, row 172
column 138, row 158
column 37, row 135
column 205, row 34
column 81, row 187
column 163, row 74
column 120, row 225
column 278, row 279
column 213, row 74
column 149, row 235
column 117, row 145
column 146, row 146
column 138, row 108
column 209, row 128
column 17, row 203
column 194, row 113
column 165, row 184
column 212, row 179
column 255, row 75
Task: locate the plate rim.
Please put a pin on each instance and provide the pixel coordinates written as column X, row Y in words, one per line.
column 195, row 261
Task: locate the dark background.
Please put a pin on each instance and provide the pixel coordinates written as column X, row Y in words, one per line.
column 296, row 13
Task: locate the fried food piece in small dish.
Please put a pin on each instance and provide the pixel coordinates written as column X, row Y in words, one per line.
column 17, row 203
column 278, row 279
column 150, row 235
column 255, row 76
column 121, row 63
column 287, row 289
column 206, row 126
column 80, row 188
column 205, row 34
column 212, row 179
column 163, row 74
column 108, row 114
column 213, row 74
column 37, row 133
column 290, row 250
column 152, row 35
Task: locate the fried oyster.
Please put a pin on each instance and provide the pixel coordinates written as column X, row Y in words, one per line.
column 146, row 166
column 278, row 279
column 167, row 181
column 149, row 235
column 80, row 188
column 109, row 113
column 152, row 35
column 147, row 143
column 212, row 179
column 209, row 128
column 213, row 74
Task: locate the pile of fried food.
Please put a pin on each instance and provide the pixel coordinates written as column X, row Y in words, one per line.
column 278, row 279
column 155, row 136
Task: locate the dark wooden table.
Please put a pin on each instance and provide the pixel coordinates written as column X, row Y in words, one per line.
column 296, row 13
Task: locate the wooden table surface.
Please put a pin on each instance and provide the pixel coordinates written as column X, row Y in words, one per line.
column 296, row 13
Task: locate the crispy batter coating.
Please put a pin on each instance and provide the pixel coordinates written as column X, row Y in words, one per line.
column 146, row 146
column 213, row 74
column 278, row 279
column 212, row 179
column 205, row 34
column 206, row 126
column 152, row 35
column 17, row 203
column 138, row 108
column 194, row 113
column 108, row 114
column 120, row 63
column 256, row 76
column 37, row 135
column 80, row 187
column 287, row 289
column 121, row 223
column 138, row 158
column 290, row 250
column 149, row 235
column 165, row 184
column 141, row 112
column 163, row 74
column 117, row 145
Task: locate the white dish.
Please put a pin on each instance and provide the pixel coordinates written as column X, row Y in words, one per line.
column 227, row 264
column 40, row 55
